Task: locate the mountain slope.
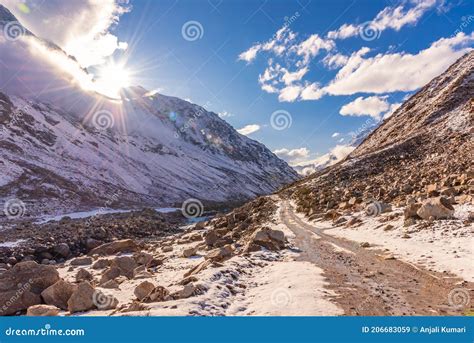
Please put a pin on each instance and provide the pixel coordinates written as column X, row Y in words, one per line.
column 427, row 141
column 65, row 148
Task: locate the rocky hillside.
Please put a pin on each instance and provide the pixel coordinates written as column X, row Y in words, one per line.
column 424, row 150
column 63, row 148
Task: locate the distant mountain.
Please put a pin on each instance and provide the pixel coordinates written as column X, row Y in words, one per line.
column 429, row 140
column 63, row 148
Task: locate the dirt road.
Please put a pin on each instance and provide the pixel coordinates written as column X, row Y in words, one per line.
column 366, row 283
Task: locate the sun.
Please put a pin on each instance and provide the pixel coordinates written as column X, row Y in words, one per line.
column 111, row 78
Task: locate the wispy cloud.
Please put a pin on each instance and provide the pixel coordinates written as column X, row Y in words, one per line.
column 248, row 129
column 371, row 106
column 389, row 18
column 293, row 155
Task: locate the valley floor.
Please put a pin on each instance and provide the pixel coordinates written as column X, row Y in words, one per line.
column 327, row 270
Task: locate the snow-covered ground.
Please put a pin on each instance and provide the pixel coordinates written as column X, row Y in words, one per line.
column 263, row 283
column 445, row 246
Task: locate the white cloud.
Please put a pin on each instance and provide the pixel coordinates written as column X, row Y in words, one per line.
column 312, row 92
column 311, row 47
column 335, row 134
column 398, row 71
column 289, row 78
column 81, row 28
column 389, row 18
column 290, row 93
column 372, row 106
column 335, row 155
column 248, row 129
column 250, row 54
column 225, row 114
column 292, row 156
column 391, row 110
column 333, row 61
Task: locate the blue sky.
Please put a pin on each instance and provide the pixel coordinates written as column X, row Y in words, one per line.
column 329, row 66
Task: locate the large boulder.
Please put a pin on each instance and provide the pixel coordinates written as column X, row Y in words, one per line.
column 126, row 264
column 125, row 245
column 82, row 261
column 82, row 299
column 143, row 290
column 110, row 274
column 42, row 311
column 13, row 301
column 220, row 254
column 268, row 238
column 59, row 294
column 21, row 286
column 37, row 276
column 436, row 208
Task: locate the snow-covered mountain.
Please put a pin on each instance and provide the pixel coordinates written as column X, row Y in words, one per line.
column 64, row 148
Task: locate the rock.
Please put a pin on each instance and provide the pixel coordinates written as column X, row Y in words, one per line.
column 167, row 248
column 200, row 267
column 220, row 254
column 92, row 243
column 438, row 208
column 158, row 294
column 190, row 252
column 21, row 286
column 82, row 298
column 339, row 221
column 62, row 250
column 126, row 264
column 82, row 261
column 17, row 300
column 155, row 262
column 432, row 190
column 365, row 244
column 143, row 258
column 125, row 245
column 388, row 227
column 143, row 290
column 268, row 238
column 411, row 210
column 187, row 291
column 42, row 311
column 109, row 274
column 187, row 280
column 58, row 294
column 211, row 238
column 83, row 275
column 101, row 264
column 110, row 284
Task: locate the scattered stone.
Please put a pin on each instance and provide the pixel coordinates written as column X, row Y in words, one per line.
column 388, row 227
column 111, row 284
column 62, row 250
column 83, row 275
column 211, row 238
column 42, row 311
column 167, row 248
column 438, row 208
column 268, row 238
column 190, row 252
column 143, row 290
column 101, row 264
column 220, row 254
column 82, row 298
column 123, row 246
column 411, row 210
column 109, row 274
column 159, row 293
column 143, row 258
column 82, row 261
column 59, row 294
column 365, row 244
column 126, row 264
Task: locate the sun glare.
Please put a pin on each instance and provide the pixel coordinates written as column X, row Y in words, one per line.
column 111, row 79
